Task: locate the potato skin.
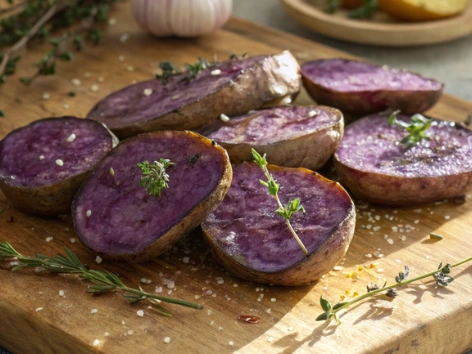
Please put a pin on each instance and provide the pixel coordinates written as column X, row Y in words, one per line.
column 310, row 269
column 365, row 102
column 393, row 190
column 251, row 90
column 185, row 225
column 292, row 152
column 48, row 200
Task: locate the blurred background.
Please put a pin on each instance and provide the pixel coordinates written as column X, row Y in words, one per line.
column 449, row 62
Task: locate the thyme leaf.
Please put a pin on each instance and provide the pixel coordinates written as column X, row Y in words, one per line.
column 102, row 281
column 155, row 177
column 416, row 128
column 168, row 70
column 286, row 211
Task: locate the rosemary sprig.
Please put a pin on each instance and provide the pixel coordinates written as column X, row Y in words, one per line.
column 416, row 128
column 332, row 6
column 440, row 275
column 103, row 281
column 286, row 211
column 155, row 177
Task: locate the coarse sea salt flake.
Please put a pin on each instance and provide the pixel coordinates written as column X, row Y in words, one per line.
column 167, row 340
column 147, row 92
column 224, row 117
column 59, row 162
column 49, row 239
column 216, row 72
column 88, row 213
column 98, row 259
column 71, row 138
column 140, row 313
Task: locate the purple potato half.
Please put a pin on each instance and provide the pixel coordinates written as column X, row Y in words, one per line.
column 232, row 88
column 43, row 164
column 373, row 164
column 117, row 218
column 291, row 136
column 360, row 88
column 250, row 240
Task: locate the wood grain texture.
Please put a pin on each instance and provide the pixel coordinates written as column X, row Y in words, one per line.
column 382, row 30
column 425, row 319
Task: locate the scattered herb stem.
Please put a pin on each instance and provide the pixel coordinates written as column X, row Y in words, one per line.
column 440, row 275
column 435, row 236
column 103, row 281
column 285, row 211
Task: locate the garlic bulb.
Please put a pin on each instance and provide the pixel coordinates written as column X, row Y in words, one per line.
column 183, row 18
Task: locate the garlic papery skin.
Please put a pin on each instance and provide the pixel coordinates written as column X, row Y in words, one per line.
column 182, row 18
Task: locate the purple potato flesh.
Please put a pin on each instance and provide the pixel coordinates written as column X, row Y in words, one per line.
column 252, row 241
column 292, row 136
column 232, row 87
column 116, row 217
column 360, row 88
column 43, row 163
column 374, row 165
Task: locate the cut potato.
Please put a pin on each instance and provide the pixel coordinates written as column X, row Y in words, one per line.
column 423, row 10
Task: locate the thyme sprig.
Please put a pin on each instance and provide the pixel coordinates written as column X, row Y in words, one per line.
column 194, row 69
column 440, row 275
column 168, row 70
column 285, row 211
column 416, row 128
column 37, row 19
column 155, row 177
column 102, row 281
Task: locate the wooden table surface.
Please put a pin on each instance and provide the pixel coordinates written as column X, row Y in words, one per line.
column 36, row 319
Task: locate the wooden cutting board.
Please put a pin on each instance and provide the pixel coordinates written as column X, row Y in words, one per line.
column 422, row 319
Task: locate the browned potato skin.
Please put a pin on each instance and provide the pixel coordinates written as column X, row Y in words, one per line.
column 394, row 190
column 311, row 269
column 48, row 200
column 293, row 152
column 250, row 90
column 365, row 102
column 45, row 200
column 190, row 221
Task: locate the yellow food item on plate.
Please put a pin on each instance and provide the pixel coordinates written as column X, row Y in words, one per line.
column 423, row 10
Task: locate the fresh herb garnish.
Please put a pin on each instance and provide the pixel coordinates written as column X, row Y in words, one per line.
column 103, row 281
column 2, row 113
column 440, row 275
column 168, row 69
column 155, row 177
column 416, row 128
column 194, row 69
column 237, row 57
column 332, row 6
column 71, row 93
column 367, row 10
column 286, row 211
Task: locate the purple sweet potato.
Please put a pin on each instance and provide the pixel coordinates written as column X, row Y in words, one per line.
column 250, row 240
column 360, row 88
column 43, row 164
column 233, row 87
column 116, row 217
column 292, row 136
column 374, row 166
